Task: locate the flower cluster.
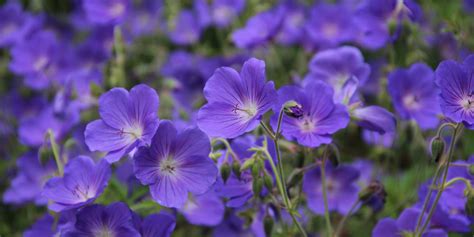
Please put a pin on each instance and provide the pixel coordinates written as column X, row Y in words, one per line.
column 236, row 118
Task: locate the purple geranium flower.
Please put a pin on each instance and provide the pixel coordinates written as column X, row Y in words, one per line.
column 205, row 209
column 225, row 11
column 321, row 116
column 330, row 25
column 14, row 24
column 414, row 94
column 236, row 102
column 456, row 83
column 82, row 183
column 342, row 189
column 259, row 29
column 127, row 121
column 175, row 164
column 405, row 223
column 337, row 67
column 106, row 11
column 28, row 183
column 158, row 225
column 97, row 220
column 187, row 28
column 292, row 26
column 375, row 118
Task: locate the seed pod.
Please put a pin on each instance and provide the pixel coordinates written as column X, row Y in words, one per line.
column 267, row 179
column 236, row 168
column 247, row 164
column 256, row 170
column 225, row 171
column 437, row 148
column 257, row 186
column 268, row 225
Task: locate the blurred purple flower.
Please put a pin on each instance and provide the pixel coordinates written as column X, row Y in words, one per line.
column 28, row 183
column 158, row 225
column 14, row 24
column 144, row 18
column 375, row 138
column 292, row 27
column 375, row 118
column 225, row 11
column 206, row 209
column 97, row 220
column 259, row 29
column 337, row 67
column 414, row 94
column 406, row 222
column 82, row 183
column 106, row 11
column 236, row 102
column 128, row 119
column 322, row 117
column 330, row 25
column 342, row 190
column 175, row 164
column 186, row 28
column 456, row 83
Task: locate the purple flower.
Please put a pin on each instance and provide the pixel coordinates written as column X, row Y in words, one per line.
column 292, row 27
column 225, row 11
column 127, row 121
column 337, row 67
column 38, row 65
column 143, row 18
column 375, row 118
column 259, row 29
column 14, row 24
column 175, row 164
column 372, row 32
column 28, row 183
column 82, row 183
column 329, row 25
column 414, row 94
column 382, row 140
column 405, row 223
column 158, row 225
column 106, row 11
column 97, row 220
column 236, row 102
column 456, row 83
column 321, row 116
column 187, row 28
column 342, row 190
column 46, row 226
column 206, row 209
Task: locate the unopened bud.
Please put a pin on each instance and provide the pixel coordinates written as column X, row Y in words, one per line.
column 471, row 169
column 256, row 170
column 215, row 156
column 225, row 171
column 236, row 168
column 267, row 179
column 293, row 109
column 257, row 186
column 44, row 154
column 469, row 193
column 268, row 225
column 247, row 164
column 437, row 148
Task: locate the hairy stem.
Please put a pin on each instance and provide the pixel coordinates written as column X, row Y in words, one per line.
column 341, row 224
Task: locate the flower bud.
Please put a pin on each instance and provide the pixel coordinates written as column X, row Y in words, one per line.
column 375, row 189
column 247, row 164
column 469, row 206
column 256, row 170
column 236, row 168
column 215, row 156
column 268, row 225
column 268, row 181
column 471, row 169
column 225, row 171
column 44, row 154
column 293, row 109
column 437, row 148
column 257, row 186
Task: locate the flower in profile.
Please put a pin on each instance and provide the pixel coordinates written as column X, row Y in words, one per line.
column 406, row 223
column 414, row 94
column 236, row 102
column 338, row 67
column 375, row 118
column 29, row 181
column 175, row 164
column 259, row 29
column 342, row 189
column 128, row 119
column 96, row 220
column 321, row 116
column 456, row 83
column 82, row 183
column 106, row 11
column 158, row 225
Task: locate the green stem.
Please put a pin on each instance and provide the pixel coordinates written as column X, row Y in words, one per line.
column 445, row 174
column 227, row 146
column 56, row 154
column 452, row 181
column 345, row 218
column 325, row 197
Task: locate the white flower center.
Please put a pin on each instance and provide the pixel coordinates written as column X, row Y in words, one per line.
column 307, row 125
column 330, row 30
column 104, row 232
column 117, row 9
column 410, row 101
column 467, row 103
column 40, row 63
column 134, row 132
column 246, row 112
column 168, row 166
